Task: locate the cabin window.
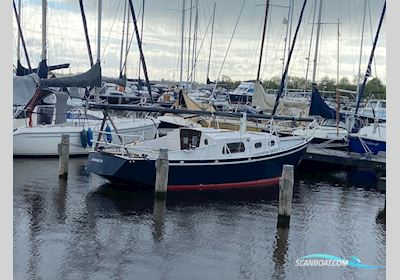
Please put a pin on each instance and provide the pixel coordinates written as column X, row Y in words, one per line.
column 195, row 140
column 190, row 139
column 232, row 148
column 206, row 141
column 258, row 145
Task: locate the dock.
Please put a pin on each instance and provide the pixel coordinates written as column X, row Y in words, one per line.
column 318, row 153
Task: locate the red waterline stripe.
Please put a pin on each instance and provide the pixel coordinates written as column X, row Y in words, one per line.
column 241, row 185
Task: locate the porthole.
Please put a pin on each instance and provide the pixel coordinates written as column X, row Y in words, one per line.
column 272, row 143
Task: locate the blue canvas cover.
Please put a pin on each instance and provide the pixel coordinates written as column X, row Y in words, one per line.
column 318, row 107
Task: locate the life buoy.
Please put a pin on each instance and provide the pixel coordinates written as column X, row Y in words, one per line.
column 90, row 137
column 84, row 140
column 143, row 100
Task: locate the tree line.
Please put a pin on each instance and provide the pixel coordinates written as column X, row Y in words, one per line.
column 373, row 89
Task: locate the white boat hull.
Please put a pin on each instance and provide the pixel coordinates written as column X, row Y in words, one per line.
column 44, row 140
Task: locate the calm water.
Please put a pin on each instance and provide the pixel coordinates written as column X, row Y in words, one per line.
column 77, row 230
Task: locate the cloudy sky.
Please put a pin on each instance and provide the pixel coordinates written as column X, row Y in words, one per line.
column 162, row 33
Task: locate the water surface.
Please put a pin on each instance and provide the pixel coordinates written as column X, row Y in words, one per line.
column 88, row 229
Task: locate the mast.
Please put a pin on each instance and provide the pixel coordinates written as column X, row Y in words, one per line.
column 309, row 49
column 368, row 71
column 317, row 41
column 189, row 37
column 42, row 70
column 281, row 87
column 44, row 23
column 140, row 50
column 22, row 38
column 127, row 44
column 97, row 90
column 86, row 32
column 287, row 38
column 209, row 54
column 194, row 55
column 290, row 37
column 122, row 42
column 361, row 48
column 141, row 35
column 263, row 38
column 182, row 35
column 19, row 37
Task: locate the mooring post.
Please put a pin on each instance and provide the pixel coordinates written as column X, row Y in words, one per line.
column 286, row 183
column 63, row 156
column 162, row 168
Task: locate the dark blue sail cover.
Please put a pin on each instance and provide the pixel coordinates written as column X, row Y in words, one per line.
column 22, row 71
column 90, row 78
column 318, row 107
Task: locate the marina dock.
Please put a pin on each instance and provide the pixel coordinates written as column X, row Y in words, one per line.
column 376, row 163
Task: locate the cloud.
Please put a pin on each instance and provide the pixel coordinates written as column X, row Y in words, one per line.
column 162, row 25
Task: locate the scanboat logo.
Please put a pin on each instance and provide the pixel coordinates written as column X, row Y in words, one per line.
column 329, row 260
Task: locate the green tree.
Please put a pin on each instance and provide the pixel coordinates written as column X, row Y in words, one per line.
column 375, row 89
column 327, row 84
column 272, row 83
column 296, row 82
column 344, row 83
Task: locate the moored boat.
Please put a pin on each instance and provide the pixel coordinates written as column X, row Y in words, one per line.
column 43, row 140
column 369, row 139
column 201, row 159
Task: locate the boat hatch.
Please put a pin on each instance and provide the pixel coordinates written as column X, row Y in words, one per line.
column 190, row 139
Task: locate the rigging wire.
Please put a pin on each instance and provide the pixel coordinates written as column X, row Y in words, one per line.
column 109, row 33
column 201, row 45
column 268, row 35
column 130, row 42
column 372, row 37
column 229, row 45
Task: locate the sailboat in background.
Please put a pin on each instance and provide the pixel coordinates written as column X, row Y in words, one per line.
column 372, row 137
column 45, row 120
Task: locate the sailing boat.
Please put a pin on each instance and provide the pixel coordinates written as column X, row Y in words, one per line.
column 201, row 159
column 372, row 137
column 228, row 158
column 45, row 123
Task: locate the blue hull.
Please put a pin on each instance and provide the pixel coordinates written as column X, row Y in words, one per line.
column 141, row 173
column 375, row 146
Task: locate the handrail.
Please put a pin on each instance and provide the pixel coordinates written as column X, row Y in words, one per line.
column 124, row 145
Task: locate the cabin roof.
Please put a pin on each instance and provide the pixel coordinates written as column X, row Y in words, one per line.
column 225, row 133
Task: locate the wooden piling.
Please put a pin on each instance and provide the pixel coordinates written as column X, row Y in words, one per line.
column 286, row 183
column 162, row 168
column 63, row 157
